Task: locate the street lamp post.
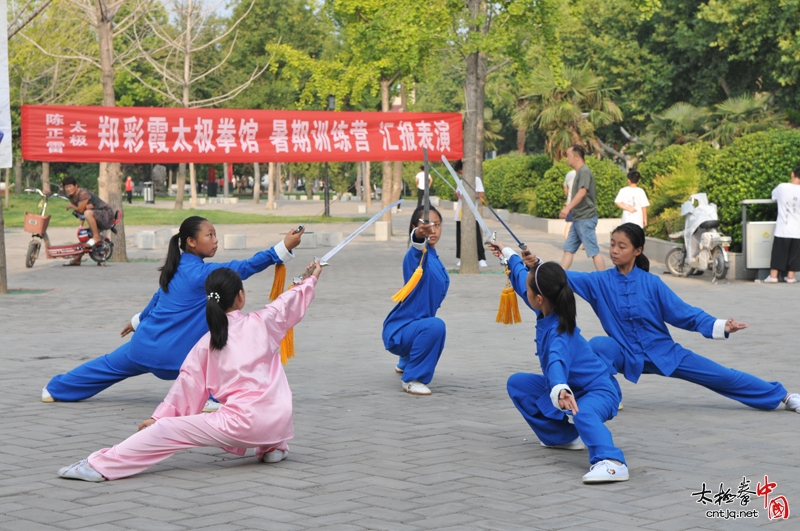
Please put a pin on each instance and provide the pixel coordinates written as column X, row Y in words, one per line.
column 331, row 106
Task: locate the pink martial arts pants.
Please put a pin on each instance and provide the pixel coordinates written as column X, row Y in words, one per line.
column 167, row 436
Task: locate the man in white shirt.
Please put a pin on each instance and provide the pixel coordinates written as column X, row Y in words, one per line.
column 421, row 184
column 633, row 201
column 786, row 244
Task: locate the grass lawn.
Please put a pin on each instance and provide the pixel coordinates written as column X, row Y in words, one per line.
column 136, row 215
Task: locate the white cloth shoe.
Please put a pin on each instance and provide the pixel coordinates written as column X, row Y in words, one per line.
column 46, row 396
column 770, row 280
column 458, row 264
column 793, row 402
column 81, row 470
column 416, row 388
column 398, row 369
column 482, row 263
column 577, row 444
column 791, row 280
column 605, row 471
column 211, row 406
column 275, row 456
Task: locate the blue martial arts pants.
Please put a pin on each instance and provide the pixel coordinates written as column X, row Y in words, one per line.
column 746, row 388
column 421, row 345
column 528, row 392
column 98, row 374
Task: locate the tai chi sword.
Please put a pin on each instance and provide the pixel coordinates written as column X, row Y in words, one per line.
column 426, row 195
column 487, row 234
column 324, row 260
column 522, row 246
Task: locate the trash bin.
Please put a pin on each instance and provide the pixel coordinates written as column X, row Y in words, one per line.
column 147, row 192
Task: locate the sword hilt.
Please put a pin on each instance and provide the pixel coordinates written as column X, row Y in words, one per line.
column 307, row 273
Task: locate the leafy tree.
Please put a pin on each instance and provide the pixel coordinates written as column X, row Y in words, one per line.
column 741, row 115
column 569, row 112
column 682, row 123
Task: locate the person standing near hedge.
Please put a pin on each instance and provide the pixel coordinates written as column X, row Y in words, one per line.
column 786, row 245
column 568, row 180
column 633, row 201
column 583, row 208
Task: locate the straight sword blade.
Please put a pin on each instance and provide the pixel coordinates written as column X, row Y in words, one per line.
column 426, row 195
column 358, row 231
column 503, row 223
column 487, row 234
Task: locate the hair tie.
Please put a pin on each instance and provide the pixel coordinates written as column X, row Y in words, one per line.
column 213, row 295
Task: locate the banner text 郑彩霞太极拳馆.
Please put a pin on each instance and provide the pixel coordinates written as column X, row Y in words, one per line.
column 135, row 135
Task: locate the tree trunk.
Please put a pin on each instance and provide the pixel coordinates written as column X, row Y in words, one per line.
column 3, row 269
column 473, row 138
column 193, row 184
column 180, row 184
column 367, row 184
column 359, row 183
column 109, row 182
column 397, row 181
column 8, row 186
column 256, row 182
column 386, row 192
column 45, row 176
column 271, row 187
column 292, row 181
column 18, row 175
column 225, row 180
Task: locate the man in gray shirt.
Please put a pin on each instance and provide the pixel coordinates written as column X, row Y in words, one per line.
column 584, row 212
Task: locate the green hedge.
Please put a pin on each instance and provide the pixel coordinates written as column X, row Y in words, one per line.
column 508, row 177
column 665, row 161
column 548, row 198
column 749, row 169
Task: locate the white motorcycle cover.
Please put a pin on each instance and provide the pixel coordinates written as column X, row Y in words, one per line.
column 696, row 215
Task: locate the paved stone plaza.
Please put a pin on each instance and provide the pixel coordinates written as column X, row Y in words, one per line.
column 365, row 454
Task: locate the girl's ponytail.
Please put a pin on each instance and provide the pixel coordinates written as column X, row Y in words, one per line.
column 189, row 229
column 550, row 281
column 636, row 235
column 222, row 286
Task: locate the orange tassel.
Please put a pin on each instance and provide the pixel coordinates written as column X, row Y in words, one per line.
column 278, row 282
column 287, row 343
column 508, row 311
column 406, row 290
column 287, row 346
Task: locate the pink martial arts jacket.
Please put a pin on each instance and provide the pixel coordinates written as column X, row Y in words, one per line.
column 246, row 376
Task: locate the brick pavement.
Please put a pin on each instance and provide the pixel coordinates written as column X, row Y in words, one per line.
column 366, row 455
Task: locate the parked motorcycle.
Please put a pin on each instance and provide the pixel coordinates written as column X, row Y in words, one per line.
column 37, row 224
column 704, row 248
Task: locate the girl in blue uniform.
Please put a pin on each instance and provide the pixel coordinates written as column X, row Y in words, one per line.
column 567, row 404
column 411, row 330
column 173, row 321
column 634, row 308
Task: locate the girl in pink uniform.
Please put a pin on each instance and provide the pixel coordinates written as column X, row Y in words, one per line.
column 239, row 363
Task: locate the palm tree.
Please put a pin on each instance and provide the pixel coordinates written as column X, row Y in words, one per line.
column 740, row 115
column 680, row 124
column 569, row 110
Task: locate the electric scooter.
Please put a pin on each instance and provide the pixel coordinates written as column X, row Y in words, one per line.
column 36, row 224
column 704, row 248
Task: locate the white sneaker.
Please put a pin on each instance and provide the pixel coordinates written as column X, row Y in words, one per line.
column 211, row 406
column 577, row 444
column 605, row 471
column 458, row 264
column 791, row 280
column 398, row 369
column 482, row 263
column 46, row 396
column 770, row 280
column 793, row 402
column 81, row 470
column 416, row 388
column 275, row 456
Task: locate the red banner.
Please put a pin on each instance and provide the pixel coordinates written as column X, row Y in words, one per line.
column 135, row 135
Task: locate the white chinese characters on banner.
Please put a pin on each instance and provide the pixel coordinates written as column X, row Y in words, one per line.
column 206, row 135
column 55, row 132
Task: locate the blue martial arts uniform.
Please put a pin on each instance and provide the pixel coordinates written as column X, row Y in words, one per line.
column 411, row 330
column 634, row 310
column 567, row 362
column 166, row 330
